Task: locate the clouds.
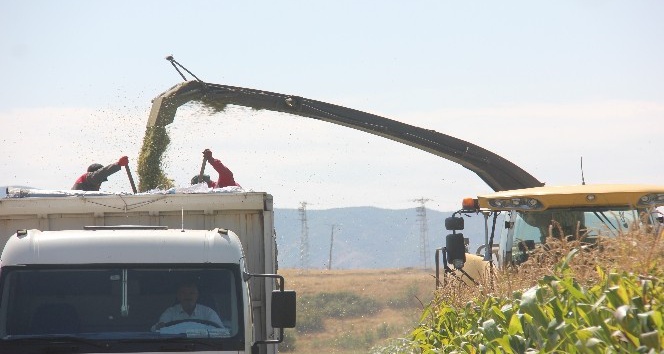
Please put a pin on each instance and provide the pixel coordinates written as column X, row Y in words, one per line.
column 298, row 159
column 50, row 147
column 539, row 84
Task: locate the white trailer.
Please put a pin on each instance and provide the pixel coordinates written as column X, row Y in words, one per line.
column 121, row 272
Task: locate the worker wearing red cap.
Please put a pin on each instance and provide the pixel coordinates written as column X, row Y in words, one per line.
column 97, row 174
column 225, row 175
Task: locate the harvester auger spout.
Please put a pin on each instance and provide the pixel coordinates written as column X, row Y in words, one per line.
column 499, row 173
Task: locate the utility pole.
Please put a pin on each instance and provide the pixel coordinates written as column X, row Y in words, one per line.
column 424, row 230
column 329, row 261
column 304, row 237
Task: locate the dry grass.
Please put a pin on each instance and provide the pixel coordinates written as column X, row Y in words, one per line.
column 379, row 284
column 638, row 250
column 386, row 286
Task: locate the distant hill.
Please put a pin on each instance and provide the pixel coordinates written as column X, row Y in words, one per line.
column 366, row 237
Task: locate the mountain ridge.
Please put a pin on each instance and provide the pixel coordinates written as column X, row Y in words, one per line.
column 365, row 237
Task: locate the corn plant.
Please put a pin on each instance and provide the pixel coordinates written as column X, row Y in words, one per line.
column 621, row 313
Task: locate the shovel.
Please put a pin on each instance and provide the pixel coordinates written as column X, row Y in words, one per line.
column 200, row 175
column 131, row 179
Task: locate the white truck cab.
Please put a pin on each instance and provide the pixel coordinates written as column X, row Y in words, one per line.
column 104, row 288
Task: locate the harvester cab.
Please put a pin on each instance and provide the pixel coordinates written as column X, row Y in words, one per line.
column 531, row 215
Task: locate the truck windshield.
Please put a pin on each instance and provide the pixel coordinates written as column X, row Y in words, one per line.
column 122, row 303
column 532, row 227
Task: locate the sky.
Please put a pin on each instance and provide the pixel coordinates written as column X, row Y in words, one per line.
column 542, row 84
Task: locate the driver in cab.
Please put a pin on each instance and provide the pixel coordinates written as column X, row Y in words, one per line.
column 187, row 308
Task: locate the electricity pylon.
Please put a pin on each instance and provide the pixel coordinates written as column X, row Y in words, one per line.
column 424, row 230
column 304, row 237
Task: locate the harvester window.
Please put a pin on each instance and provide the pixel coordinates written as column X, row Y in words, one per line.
column 557, row 223
column 586, row 224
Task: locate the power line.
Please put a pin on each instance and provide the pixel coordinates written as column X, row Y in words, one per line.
column 329, row 261
column 304, row 237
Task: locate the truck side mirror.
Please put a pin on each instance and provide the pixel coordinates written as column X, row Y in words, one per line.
column 283, row 309
column 454, row 223
column 456, row 250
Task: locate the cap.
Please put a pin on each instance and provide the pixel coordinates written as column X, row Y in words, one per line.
column 194, row 180
column 94, row 167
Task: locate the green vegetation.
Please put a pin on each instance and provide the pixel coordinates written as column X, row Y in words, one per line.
column 375, row 306
column 290, row 341
column 155, row 141
column 569, row 310
column 354, row 340
column 567, row 298
column 313, row 309
column 622, row 313
column 408, row 299
column 151, row 175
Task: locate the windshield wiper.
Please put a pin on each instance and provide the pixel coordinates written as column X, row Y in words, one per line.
column 602, row 217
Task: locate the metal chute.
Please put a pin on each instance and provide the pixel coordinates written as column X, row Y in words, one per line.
column 499, row 173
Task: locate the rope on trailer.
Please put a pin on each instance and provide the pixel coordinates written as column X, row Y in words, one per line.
column 127, row 207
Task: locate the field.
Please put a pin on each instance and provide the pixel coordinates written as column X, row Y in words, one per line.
column 354, row 311
column 569, row 296
column 349, row 311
